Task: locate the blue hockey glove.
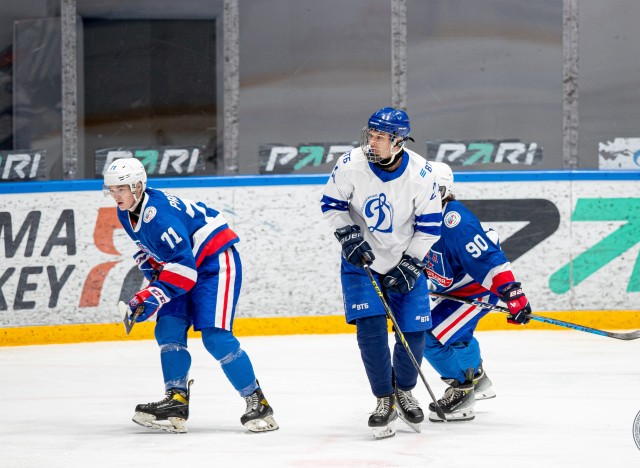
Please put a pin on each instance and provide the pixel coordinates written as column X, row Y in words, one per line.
column 402, row 277
column 355, row 249
column 519, row 308
column 149, row 267
column 146, row 302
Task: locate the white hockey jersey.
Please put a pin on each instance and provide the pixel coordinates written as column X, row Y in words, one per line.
column 398, row 212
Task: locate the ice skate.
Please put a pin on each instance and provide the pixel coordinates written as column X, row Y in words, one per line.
column 482, row 387
column 409, row 409
column 258, row 417
column 382, row 420
column 456, row 403
column 167, row 415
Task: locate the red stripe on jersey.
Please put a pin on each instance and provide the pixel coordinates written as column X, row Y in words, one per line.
column 216, row 243
column 176, row 280
column 455, row 322
column 471, row 289
column 227, row 282
column 500, row 279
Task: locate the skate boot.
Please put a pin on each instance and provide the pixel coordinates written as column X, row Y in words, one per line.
column 409, row 409
column 382, row 420
column 167, row 415
column 456, row 403
column 482, row 388
column 258, row 417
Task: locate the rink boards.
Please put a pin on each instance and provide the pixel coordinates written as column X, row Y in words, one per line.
column 573, row 238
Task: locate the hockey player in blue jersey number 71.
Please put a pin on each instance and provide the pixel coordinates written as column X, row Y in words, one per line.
column 383, row 202
column 188, row 253
column 466, row 262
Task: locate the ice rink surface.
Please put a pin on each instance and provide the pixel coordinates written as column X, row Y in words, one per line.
column 565, row 399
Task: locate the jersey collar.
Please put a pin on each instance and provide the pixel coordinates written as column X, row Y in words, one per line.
column 385, row 176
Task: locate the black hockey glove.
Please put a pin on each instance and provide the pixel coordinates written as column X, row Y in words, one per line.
column 519, row 308
column 402, row 277
column 355, row 249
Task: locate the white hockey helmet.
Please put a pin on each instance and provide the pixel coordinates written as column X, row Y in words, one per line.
column 126, row 171
column 444, row 177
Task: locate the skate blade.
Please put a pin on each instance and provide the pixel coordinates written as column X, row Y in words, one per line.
column 485, row 394
column 172, row 425
column 262, row 425
column 415, row 426
column 457, row 416
column 384, row 432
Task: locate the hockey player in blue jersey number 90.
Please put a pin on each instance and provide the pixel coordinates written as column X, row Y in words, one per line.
column 466, row 262
column 187, row 252
column 384, row 204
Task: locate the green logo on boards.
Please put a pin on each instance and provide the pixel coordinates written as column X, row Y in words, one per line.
column 626, row 210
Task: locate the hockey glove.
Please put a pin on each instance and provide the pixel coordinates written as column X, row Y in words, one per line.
column 402, row 278
column 149, row 267
column 519, row 308
column 146, row 302
column 355, row 249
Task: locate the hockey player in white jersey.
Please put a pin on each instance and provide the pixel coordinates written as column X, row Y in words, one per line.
column 187, row 252
column 466, row 262
column 384, row 204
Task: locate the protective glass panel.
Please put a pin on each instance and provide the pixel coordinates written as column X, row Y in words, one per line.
column 609, row 136
column 311, row 73
column 485, row 82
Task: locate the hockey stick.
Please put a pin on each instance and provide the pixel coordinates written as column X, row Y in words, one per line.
column 129, row 322
column 124, row 309
column 634, row 335
column 387, row 309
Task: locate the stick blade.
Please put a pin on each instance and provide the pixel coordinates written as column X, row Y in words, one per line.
column 124, row 309
column 634, row 335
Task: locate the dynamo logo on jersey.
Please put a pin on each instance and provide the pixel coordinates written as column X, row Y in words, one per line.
column 378, row 213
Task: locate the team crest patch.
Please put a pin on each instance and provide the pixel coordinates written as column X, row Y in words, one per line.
column 149, row 214
column 452, row 219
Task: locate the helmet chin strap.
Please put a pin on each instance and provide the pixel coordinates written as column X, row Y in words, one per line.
column 136, row 199
column 394, row 155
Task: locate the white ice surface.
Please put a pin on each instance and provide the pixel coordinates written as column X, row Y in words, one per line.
column 565, row 399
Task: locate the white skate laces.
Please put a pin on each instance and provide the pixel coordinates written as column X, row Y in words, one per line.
column 407, row 400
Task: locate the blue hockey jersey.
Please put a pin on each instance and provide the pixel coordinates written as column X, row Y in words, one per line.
column 180, row 234
column 466, row 261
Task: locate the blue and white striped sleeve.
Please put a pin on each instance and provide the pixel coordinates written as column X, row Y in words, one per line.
column 335, row 199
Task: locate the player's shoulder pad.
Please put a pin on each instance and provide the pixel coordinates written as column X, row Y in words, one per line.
column 420, row 169
column 351, row 158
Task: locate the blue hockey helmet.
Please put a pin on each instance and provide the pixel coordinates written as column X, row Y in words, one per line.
column 392, row 121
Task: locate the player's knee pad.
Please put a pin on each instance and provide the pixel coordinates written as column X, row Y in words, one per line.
column 466, row 347
column 372, row 328
column 170, row 329
column 415, row 340
column 468, row 353
column 373, row 341
column 221, row 344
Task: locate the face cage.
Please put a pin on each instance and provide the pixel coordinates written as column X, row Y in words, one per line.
column 365, row 145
